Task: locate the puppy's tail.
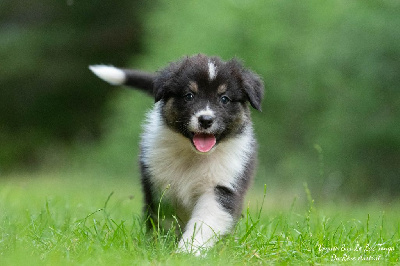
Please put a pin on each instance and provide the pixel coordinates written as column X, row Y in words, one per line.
column 134, row 78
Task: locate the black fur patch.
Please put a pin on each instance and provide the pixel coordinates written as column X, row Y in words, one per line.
column 227, row 198
column 149, row 208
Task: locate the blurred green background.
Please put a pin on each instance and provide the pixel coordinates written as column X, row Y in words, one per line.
column 331, row 114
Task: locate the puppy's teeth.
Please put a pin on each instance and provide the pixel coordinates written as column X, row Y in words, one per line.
column 112, row 75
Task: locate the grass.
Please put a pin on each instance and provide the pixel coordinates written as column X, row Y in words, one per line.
column 84, row 219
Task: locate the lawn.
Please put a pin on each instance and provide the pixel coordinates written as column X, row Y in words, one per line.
column 91, row 219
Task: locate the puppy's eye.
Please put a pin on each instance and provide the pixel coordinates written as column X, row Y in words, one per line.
column 224, row 99
column 189, row 97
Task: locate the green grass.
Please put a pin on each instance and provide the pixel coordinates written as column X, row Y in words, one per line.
column 84, row 219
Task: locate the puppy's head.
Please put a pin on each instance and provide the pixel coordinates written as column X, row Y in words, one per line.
column 206, row 99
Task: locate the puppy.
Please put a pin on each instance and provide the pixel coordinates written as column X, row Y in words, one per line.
column 198, row 149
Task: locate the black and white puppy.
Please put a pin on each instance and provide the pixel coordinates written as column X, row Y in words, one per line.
column 198, row 149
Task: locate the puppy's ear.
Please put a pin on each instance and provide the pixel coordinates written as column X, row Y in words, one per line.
column 167, row 79
column 254, row 88
column 160, row 92
column 161, row 85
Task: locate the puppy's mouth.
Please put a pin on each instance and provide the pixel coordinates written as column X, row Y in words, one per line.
column 203, row 142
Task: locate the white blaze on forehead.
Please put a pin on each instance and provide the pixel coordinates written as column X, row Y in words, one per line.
column 212, row 70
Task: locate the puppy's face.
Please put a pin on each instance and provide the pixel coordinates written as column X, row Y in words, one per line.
column 205, row 99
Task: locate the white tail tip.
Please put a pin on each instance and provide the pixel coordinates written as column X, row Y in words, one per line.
column 112, row 75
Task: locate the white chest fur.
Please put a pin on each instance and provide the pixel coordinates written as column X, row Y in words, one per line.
column 173, row 162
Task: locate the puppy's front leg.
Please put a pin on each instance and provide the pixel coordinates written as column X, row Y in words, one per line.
column 208, row 221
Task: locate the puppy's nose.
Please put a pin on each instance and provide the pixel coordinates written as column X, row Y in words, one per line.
column 206, row 121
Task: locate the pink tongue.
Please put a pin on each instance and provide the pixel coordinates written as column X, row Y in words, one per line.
column 204, row 142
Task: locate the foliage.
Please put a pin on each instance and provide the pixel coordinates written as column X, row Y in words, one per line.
column 331, row 111
column 48, row 98
column 80, row 222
